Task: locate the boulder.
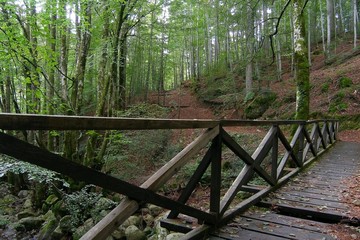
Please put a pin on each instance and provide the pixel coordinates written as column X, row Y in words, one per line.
column 29, row 212
column 119, row 234
column 65, row 224
column 132, row 220
column 80, row 231
column 149, row 220
column 134, row 233
column 174, row 236
column 31, row 223
column 155, row 210
column 49, row 226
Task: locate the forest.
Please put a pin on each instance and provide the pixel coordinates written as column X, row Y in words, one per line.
column 120, row 58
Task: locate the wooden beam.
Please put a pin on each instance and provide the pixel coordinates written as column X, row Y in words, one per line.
column 57, row 122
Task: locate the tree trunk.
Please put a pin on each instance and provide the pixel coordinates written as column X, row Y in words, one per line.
column 301, row 63
column 355, row 22
column 330, row 27
column 250, row 49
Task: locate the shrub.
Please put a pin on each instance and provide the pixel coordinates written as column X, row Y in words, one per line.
column 325, row 87
column 345, row 82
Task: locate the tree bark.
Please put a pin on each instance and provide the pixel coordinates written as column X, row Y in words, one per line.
column 301, row 63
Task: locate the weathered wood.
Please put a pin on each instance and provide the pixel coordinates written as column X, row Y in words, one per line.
column 248, row 171
column 107, row 225
column 242, row 154
column 215, row 186
column 35, row 155
column 199, row 233
column 237, row 123
column 53, row 122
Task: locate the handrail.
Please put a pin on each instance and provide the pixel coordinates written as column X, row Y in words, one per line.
column 321, row 136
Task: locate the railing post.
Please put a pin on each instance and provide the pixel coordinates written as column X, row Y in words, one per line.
column 216, row 174
column 301, row 145
column 274, row 155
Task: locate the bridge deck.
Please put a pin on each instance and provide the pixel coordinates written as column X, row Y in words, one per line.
column 315, row 194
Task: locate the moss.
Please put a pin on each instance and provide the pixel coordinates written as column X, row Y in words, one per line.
column 345, row 82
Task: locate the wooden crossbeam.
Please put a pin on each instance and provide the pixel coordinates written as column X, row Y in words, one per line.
column 248, row 171
column 242, row 154
column 54, row 122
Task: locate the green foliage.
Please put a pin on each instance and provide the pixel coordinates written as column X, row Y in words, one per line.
column 33, row 172
column 259, row 104
column 337, row 104
column 345, row 82
column 325, row 87
column 249, row 96
column 81, row 204
column 144, row 110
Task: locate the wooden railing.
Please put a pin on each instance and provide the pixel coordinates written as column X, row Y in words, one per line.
column 310, row 139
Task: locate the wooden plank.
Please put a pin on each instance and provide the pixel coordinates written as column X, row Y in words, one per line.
column 324, row 215
column 314, row 202
column 57, row 122
column 199, row 233
column 272, row 217
column 242, row 154
column 236, row 233
column 215, row 182
column 289, row 230
column 113, row 220
column 35, row 155
column 233, row 123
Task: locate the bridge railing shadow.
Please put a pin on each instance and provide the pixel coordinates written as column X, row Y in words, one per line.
column 287, row 156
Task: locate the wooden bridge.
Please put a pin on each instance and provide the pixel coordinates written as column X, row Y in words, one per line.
column 286, row 157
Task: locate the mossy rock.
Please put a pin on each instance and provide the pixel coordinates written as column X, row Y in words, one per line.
column 49, row 226
column 259, row 104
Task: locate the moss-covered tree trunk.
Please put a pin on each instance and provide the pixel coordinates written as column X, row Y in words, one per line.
column 301, row 62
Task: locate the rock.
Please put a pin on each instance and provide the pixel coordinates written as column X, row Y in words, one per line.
column 97, row 217
column 59, row 209
column 23, row 193
column 160, row 233
column 28, row 204
column 148, row 231
column 119, row 234
column 51, row 200
column 356, row 202
column 6, row 204
column 104, row 204
column 80, row 231
column 57, row 234
column 134, row 233
column 174, row 236
column 155, row 210
column 149, row 220
column 26, row 213
column 31, row 223
column 132, row 220
column 353, row 236
column 65, row 224
column 49, row 226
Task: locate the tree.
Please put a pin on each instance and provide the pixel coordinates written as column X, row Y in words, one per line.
column 301, row 62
